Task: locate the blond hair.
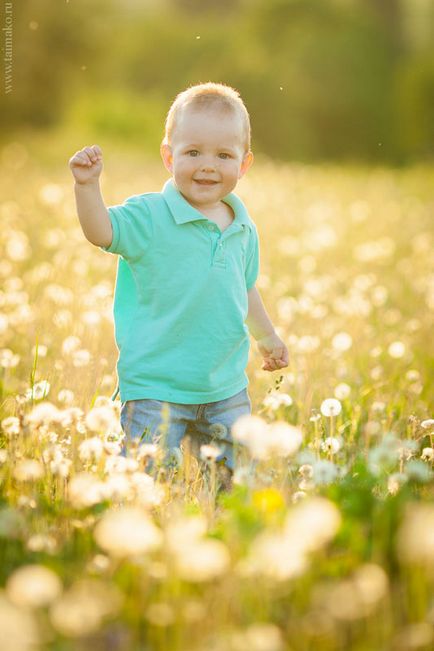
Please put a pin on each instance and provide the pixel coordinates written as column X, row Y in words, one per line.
column 207, row 95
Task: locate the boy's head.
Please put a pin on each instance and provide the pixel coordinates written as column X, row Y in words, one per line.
column 206, row 146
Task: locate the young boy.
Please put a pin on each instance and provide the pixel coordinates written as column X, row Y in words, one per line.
column 185, row 297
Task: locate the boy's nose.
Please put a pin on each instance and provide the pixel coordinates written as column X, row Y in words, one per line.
column 207, row 166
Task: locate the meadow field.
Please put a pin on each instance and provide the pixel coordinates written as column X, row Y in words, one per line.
column 325, row 540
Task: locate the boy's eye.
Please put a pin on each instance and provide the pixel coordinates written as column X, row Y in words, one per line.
column 225, row 156
column 193, row 152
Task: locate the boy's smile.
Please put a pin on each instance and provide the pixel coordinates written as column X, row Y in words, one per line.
column 206, row 156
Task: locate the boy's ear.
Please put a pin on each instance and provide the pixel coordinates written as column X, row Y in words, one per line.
column 247, row 162
column 167, row 156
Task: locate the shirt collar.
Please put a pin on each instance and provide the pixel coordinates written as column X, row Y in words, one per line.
column 183, row 211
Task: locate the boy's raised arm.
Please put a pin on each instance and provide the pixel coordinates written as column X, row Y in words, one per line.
column 86, row 167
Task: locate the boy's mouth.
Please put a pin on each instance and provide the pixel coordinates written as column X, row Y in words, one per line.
column 205, row 182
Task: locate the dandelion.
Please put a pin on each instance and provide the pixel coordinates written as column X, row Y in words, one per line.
column 342, row 391
column 51, row 194
column 378, row 406
column 412, row 375
column 209, row 452
column 283, row 439
column 90, row 450
column 38, row 391
column 395, row 481
column 33, row 586
column 11, row 426
column 80, row 611
column 298, row 496
column 258, row 637
column 273, row 556
column 275, row 399
column 331, row 407
column 427, row 424
column 100, row 419
column 415, row 540
column 324, row 472
column 42, row 543
column 396, row 349
column 384, row 456
column 65, row 396
column 147, row 451
column 44, row 413
column 427, row 454
column 127, row 532
column 253, row 432
column 70, row 344
column 331, row 444
column 81, row 358
column 182, row 531
column 418, row 471
column 18, row 627
column 8, row 359
column 359, row 595
column 85, row 490
column 306, row 471
column 60, row 468
column 342, row 341
column 28, row 470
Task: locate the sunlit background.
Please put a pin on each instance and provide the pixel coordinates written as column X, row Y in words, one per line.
column 324, row 540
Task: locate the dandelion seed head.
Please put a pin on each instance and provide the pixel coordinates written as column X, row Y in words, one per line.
column 80, row 611
column 203, row 560
column 331, row 407
column 38, row 391
column 342, row 341
column 28, row 470
column 427, row 454
column 33, row 586
column 66, row 396
column 90, row 450
column 45, row 413
column 275, row 399
column 127, row 532
column 84, row 490
column 18, row 626
column 8, row 359
column 209, row 452
column 396, row 349
column 10, row 426
column 100, row 419
column 415, row 540
column 342, row 391
column 331, row 444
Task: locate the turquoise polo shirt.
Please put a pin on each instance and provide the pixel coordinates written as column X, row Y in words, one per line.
column 180, row 300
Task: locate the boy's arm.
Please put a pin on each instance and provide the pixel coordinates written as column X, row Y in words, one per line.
column 86, row 167
column 258, row 321
column 270, row 345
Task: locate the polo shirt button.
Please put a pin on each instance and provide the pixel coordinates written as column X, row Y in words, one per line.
column 210, row 227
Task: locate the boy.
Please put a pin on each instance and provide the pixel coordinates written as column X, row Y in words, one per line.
column 185, row 297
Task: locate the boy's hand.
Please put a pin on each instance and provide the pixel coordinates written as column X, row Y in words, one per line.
column 274, row 352
column 86, row 165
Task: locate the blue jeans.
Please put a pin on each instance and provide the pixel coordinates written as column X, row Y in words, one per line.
column 166, row 423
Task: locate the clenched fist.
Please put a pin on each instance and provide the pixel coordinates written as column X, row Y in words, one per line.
column 86, row 165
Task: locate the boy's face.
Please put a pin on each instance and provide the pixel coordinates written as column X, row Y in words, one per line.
column 206, row 156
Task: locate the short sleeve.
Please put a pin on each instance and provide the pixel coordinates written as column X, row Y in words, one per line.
column 132, row 228
column 252, row 260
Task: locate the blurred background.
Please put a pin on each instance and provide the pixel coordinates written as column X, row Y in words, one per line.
column 337, row 80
